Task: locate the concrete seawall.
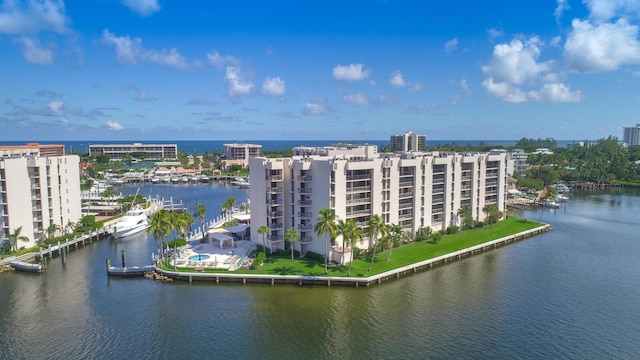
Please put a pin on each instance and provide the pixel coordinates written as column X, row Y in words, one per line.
column 351, row 281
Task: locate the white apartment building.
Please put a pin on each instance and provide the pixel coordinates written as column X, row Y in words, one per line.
column 631, row 135
column 118, row 151
column 36, row 192
column 240, row 153
column 408, row 142
column 410, row 189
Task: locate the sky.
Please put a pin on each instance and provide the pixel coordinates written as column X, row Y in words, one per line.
column 317, row 70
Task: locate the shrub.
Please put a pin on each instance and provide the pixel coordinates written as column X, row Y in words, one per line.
column 257, row 262
column 315, row 256
column 177, row 243
column 287, row 253
column 264, row 249
column 435, row 237
column 452, row 230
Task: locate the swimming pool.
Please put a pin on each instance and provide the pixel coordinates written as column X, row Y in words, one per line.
column 198, row 257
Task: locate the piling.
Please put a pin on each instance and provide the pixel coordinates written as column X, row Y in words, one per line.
column 124, row 260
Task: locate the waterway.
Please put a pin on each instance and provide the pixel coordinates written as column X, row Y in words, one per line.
column 572, row 293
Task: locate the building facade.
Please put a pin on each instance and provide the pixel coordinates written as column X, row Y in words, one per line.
column 240, row 153
column 119, row 151
column 408, row 142
column 36, row 192
column 411, row 190
column 631, row 135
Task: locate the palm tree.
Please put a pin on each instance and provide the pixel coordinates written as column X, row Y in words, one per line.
column 492, row 213
column 291, row 236
column 201, row 211
column 263, row 230
column 376, row 228
column 51, row 230
column 395, row 235
column 69, row 227
column 326, row 226
column 160, row 227
column 350, row 232
column 466, row 214
column 16, row 236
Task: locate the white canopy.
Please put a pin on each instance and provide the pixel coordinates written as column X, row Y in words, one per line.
column 221, row 238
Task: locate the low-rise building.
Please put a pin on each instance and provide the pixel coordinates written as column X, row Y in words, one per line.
column 150, row 151
column 240, row 153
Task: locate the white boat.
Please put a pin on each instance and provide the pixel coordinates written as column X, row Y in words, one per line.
column 184, row 179
column 204, row 179
column 155, row 180
column 563, row 198
column 194, row 179
column 133, row 222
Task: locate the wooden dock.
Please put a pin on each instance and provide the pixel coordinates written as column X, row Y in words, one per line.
column 129, row 271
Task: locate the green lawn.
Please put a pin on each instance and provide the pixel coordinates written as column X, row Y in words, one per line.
column 401, row 256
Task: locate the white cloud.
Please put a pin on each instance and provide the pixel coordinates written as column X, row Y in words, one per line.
column 273, row 86
column 34, row 52
column 560, row 8
column 220, row 61
column 358, row 99
column 112, row 125
column 451, row 45
column 603, row 47
column 465, row 86
column 130, row 51
column 316, row 107
column 555, row 92
column 604, row 10
column 31, row 17
column 143, row 96
column 55, row 107
column 236, row 86
column 504, row 91
column 494, row 34
column 515, row 62
column 351, row 72
column 415, row 87
column 397, row 79
column 142, row 7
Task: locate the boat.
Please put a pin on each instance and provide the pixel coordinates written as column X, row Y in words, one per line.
column 133, row 222
column 552, row 204
column 155, row 180
column 563, row 198
column 194, row 179
column 204, row 179
column 184, row 179
column 175, row 180
column 25, row 266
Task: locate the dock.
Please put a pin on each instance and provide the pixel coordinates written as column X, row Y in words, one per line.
column 129, row 271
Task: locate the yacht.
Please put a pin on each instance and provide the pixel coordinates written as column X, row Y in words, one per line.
column 133, row 222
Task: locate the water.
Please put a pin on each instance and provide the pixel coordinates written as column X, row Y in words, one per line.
column 571, row 293
column 200, row 146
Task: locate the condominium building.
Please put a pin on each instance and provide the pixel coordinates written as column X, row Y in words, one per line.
column 240, row 153
column 519, row 161
column 36, row 192
column 411, row 190
column 408, row 142
column 32, row 149
column 631, row 135
column 151, row 151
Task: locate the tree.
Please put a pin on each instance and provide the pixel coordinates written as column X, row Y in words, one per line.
column 376, row 228
column 291, row 236
column 160, row 227
column 326, row 226
column 492, row 213
column 466, row 214
column 51, row 230
column 264, row 230
column 69, row 227
column 227, row 207
column 351, row 233
column 395, row 237
column 201, row 211
column 16, row 236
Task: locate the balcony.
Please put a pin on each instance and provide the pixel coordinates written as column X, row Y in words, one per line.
column 274, row 177
column 358, row 189
column 405, row 216
column 275, row 238
column 304, row 226
column 275, row 226
column 358, row 177
column 277, row 213
column 358, row 212
column 366, row 200
column 275, row 190
column 405, row 195
column 305, row 178
column 274, row 201
column 405, row 206
column 304, row 202
column 305, row 215
column 304, row 190
column 305, row 239
column 437, row 179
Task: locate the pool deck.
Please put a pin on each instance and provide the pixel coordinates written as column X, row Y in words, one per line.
column 218, row 258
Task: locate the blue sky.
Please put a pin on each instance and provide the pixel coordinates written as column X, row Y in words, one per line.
column 322, row 70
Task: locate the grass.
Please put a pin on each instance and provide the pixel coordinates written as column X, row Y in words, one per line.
column 401, row 256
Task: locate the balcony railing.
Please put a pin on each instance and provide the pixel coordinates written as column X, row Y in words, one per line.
column 274, row 177
column 304, row 190
column 359, row 201
column 274, row 202
column 275, row 213
column 304, row 202
column 304, row 215
column 304, row 226
column 275, row 238
column 358, row 177
column 358, row 189
column 305, row 178
column 305, row 239
column 358, row 212
column 405, row 206
column 276, row 190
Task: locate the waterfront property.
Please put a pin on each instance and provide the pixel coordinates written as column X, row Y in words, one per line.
column 240, row 153
column 408, row 142
column 151, row 151
column 411, row 190
column 38, row 189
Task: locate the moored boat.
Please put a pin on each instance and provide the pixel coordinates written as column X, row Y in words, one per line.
column 133, row 222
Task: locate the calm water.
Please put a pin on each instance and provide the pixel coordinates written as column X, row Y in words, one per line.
column 571, row 293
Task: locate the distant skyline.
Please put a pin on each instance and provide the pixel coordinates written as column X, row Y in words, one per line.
column 138, row 70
